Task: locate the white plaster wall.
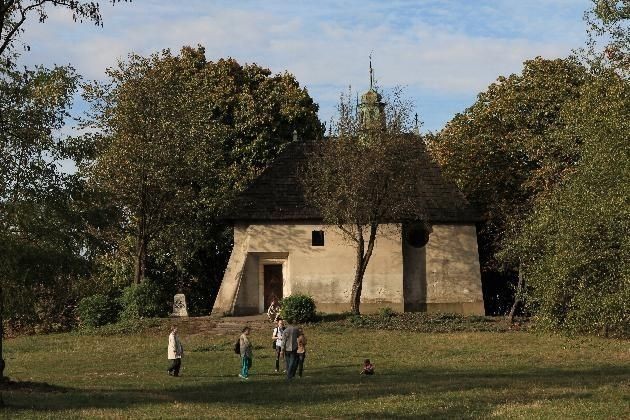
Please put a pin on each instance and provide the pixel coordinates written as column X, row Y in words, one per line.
column 447, row 267
column 452, row 261
column 327, row 272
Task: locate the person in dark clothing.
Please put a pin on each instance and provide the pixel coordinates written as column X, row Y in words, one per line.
column 289, row 348
column 301, row 351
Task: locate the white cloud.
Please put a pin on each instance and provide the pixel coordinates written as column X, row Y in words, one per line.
column 450, row 47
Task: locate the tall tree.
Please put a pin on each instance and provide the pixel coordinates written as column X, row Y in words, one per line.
column 177, row 136
column 576, row 243
column 509, row 149
column 33, row 105
column 364, row 176
column 37, row 238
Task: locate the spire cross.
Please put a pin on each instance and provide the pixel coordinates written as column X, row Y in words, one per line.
column 371, row 73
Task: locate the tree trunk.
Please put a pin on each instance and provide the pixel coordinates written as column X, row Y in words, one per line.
column 141, row 261
column 363, row 257
column 357, row 284
column 2, row 364
column 357, row 287
column 519, row 294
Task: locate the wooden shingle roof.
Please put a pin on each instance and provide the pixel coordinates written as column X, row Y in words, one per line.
column 277, row 195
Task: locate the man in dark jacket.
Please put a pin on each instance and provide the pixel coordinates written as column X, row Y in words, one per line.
column 289, row 348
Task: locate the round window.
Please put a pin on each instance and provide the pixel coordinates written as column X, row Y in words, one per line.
column 417, row 236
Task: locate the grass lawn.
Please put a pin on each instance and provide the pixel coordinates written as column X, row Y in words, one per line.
column 418, row 375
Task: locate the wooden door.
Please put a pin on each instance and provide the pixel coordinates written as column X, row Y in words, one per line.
column 273, row 283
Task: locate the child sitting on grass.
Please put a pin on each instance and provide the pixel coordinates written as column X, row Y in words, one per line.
column 368, row 368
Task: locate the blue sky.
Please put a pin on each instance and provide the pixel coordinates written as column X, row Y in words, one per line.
column 444, row 52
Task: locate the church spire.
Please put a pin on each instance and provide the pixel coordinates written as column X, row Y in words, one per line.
column 372, row 107
column 416, row 129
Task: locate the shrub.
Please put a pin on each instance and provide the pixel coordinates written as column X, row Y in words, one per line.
column 97, row 310
column 386, row 312
column 298, row 308
column 144, row 300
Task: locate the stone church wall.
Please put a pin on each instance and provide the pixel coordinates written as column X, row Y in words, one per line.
column 441, row 276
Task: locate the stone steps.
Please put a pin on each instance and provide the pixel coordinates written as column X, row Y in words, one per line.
column 234, row 325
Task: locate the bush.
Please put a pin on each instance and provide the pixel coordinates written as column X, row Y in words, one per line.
column 97, row 310
column 298, row 308
column 386, row 312
column 144, row 300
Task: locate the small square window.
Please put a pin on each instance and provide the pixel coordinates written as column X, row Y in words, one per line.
column 318, row 238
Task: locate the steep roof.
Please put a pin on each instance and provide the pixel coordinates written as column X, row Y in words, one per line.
column 277, row 195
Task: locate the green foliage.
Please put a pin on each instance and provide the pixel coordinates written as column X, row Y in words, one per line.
column 143, row 300
column 177, row 136
column 386, row 312
column 546, row 156
column 41, row 219
column 298, row 308
column 97, row 310
column 387, row 319
column 608, row 43
column 575, row 246
column 508, row 150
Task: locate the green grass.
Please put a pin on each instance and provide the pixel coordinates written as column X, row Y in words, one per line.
column 430, row 375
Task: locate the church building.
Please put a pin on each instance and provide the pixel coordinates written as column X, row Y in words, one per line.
column 282, row 247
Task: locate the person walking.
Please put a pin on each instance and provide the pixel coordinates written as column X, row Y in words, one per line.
column 277, row 341
column 175, row 352
column 289, row 348
column 301, row 351
column 246, row 354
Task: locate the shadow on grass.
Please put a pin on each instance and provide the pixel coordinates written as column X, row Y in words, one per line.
column 333, row 317
column 29, row 387
column 457, row 393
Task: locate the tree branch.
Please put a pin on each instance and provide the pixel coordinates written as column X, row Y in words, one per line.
column 89, row 10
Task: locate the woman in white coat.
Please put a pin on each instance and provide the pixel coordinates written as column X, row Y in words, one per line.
column 175, row 352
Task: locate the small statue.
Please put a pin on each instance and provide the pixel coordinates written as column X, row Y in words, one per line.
column 179, row 305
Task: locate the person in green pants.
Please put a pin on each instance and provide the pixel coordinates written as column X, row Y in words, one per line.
column 246, row 354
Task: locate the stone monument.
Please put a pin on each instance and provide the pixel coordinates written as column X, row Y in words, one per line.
column 179, row 305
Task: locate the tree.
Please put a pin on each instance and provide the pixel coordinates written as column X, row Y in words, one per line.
column 14, row 13
column 33, row 104
column 38, row 235
column 364, row 176
column 509, row 150
column 608, row 43
column 176, row 138
column 576, row 243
